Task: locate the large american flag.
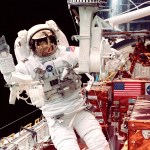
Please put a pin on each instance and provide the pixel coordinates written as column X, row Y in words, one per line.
column 128, row 88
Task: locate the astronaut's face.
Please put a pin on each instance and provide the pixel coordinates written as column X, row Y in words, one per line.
column 44, row 49
column 45, row 45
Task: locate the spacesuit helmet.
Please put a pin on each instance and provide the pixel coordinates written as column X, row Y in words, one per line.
column 42, row 40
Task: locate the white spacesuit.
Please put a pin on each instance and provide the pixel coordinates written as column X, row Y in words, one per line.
column 64, row 104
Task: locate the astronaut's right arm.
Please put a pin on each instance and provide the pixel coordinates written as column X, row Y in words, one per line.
column 19, row 82
column 7, row 66
column 20, row 46
column 8, row 70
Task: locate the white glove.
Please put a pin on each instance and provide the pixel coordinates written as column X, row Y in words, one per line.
column 22, row 38
column 61, row 37
column 20, row 46
column 52, row 25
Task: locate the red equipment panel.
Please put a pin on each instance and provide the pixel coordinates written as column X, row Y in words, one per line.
column 139, row 126
column 99, row 97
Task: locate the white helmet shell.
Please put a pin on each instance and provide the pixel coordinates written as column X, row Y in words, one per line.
column 33, row 30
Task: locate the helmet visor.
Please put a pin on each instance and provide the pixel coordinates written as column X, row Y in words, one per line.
column 44, row 43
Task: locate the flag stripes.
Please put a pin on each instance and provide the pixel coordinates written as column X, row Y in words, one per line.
column 128, row 88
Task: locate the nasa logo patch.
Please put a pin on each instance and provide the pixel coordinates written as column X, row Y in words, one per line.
column 49, row 68
column 148, row 89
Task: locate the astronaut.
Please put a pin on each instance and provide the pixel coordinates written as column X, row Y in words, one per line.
column 21, row 41
column 47, row 60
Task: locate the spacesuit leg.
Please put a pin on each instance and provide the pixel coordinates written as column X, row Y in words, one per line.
column 90, row 131
column 63, row 136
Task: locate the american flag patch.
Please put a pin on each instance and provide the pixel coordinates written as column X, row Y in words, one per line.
column 128, row 88
column 70, row 48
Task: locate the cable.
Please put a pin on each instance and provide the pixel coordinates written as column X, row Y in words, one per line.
column 133, row 8
column 72, row 19
column 133, row 4
column 19, row 119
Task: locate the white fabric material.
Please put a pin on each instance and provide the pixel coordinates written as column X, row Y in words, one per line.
column 85, row 125
column 56, row 103
column 62, row 39
column 20, row 47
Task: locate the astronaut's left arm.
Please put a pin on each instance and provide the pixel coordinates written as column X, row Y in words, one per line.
column 7, row 65
column 67, row 60
column 61, row 37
